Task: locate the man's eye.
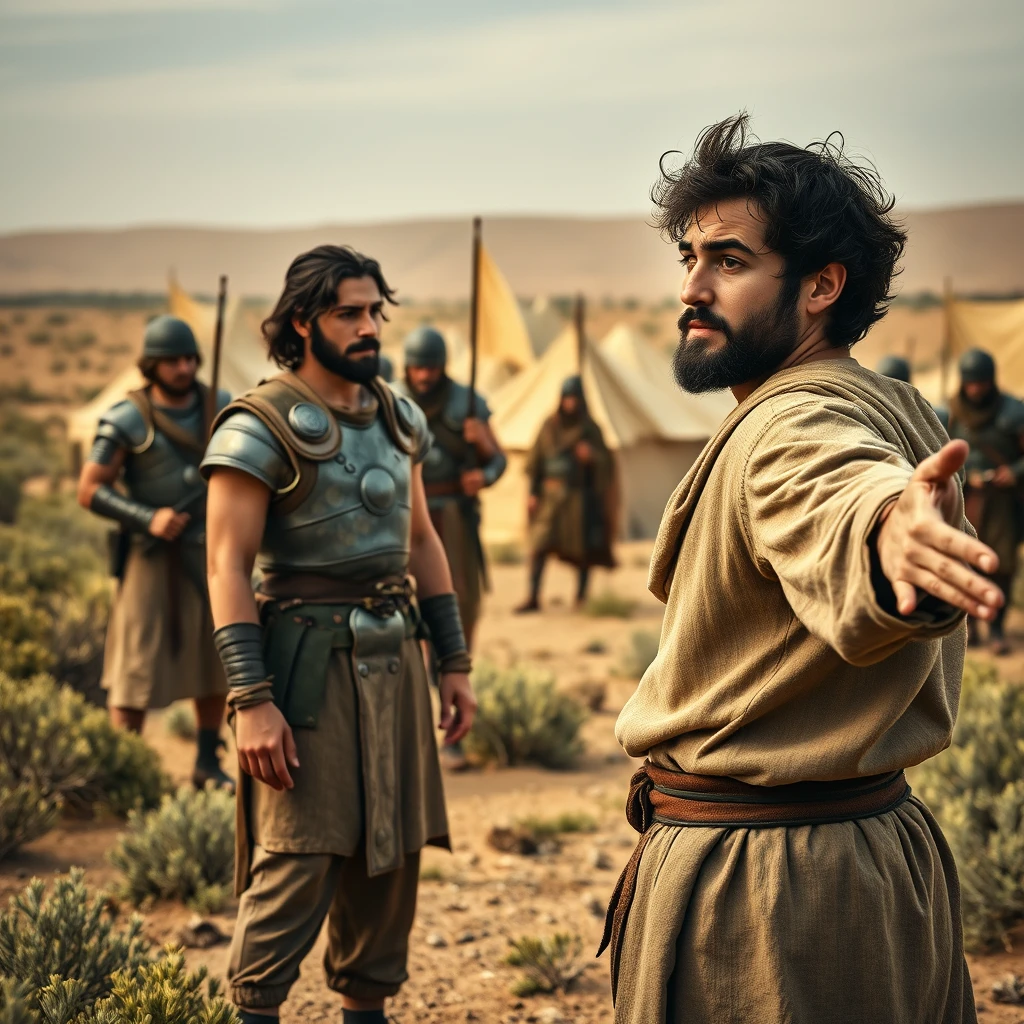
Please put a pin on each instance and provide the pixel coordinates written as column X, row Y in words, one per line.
column 688, row 262
column 731, row 263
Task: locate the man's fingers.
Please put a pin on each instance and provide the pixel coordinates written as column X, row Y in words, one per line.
column 953, row 542
column 290, row 752
column 946, row 462
column 265, row 771
column 244, row 763
column 447, row 713
column 906, row 597
column 952, row 595
column 957, row 575
column 280, row 768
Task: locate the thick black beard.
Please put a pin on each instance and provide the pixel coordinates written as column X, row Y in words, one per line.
column 173, row 390
column 359, row 371
column 753, row 350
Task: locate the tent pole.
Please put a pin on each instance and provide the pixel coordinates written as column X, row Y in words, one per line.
column 218, row 337
column 947, row 339
column 474, row 316
column 581, row 344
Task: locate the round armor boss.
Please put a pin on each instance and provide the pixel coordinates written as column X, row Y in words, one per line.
column 308, row 421
column 378, row 491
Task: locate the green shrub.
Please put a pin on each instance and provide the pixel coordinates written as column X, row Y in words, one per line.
column 63, row 961
column 67, row 933
column 57, row 319
column 976, row 789
column 184, row 850
column 609, row 605
column 59, row 366
column 84, row 363
column 560, row 824
column 507, row 553
column 522, row 717
column 6, row 349
column 550, row 965
column 181, row 721
column 24, row 636
column 57, row 750
column 642, row 650
column 39, row 337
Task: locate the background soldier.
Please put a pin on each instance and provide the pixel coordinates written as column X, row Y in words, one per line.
column 895, row 367
column 464, row 459
column 992, row 423
column 572, row 494
column 159, row 641
column 387, row 369
column 318, row 472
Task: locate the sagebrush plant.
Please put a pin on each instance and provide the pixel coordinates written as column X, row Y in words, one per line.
column 522, row 717
column 184, row 850
column 561, row 824
column 63, row 960
column 642, row 650
column 180, row 721
column 609, row 605
column 549, row 965
column 976, row 790
column 55, row 750
column 69, row 933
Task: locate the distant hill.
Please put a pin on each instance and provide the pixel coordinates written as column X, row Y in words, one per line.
column 981, row 248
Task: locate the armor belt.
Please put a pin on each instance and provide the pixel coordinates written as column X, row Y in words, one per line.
column 444, row 489
column 680, row 799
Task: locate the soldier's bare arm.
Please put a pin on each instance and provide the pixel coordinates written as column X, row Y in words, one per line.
column 920, row 547
column 235, row 518
column 429, row 565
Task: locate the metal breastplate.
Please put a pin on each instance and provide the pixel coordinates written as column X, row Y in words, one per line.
column 162, row 475
column 356, row 521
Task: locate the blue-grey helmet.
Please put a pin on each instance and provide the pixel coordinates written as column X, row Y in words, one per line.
column 977, row 367
column 387, row 368
column 572, row 387
column 425, row 347
column 167, row 337
column 896, row 367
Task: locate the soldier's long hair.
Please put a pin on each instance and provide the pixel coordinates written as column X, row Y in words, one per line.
column 817, row 205
column 311, row 288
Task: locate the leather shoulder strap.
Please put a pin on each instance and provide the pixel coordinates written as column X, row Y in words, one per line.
column 399, row 431
column 156, row 419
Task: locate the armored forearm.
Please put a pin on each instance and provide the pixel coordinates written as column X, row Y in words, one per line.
column 127, row 511
column 494, row 467
column 441, row 616
column 240, row 646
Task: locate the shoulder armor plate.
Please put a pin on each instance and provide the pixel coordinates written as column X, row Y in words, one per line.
column 128, row 422
column 243, row 441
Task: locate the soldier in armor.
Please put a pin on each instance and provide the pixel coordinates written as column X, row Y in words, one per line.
column 464, row 459
column 387, row 369
column 895, row 367
column 992, row 423
column 159, row 647
column 572, row 494
column 316, row 476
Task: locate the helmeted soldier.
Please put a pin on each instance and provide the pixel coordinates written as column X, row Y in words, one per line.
column 387, row 368
column 572, row 494
column 159, row 647
column 464, row 459
column 992, row 423
column 895, row 367
column 316, row 475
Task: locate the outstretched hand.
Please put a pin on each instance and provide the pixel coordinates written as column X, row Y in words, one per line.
column 458, row 706
column 922, row 547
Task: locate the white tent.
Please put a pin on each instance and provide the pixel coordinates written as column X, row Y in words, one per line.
column 655, row 430
column 243, row 362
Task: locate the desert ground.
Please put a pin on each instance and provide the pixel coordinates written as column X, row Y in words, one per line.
column 474, row 900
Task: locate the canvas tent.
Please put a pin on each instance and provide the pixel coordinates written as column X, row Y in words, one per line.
column 998, row 328
column 655, row 432
column 243, row 361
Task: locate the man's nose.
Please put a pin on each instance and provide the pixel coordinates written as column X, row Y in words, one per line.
column 697, row 290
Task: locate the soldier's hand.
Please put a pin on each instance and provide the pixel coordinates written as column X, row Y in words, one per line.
column 473, row 431
column 473, row 482
column 168, row 524
column 584, row 452
column 921, row 545
column 458, row 706
column 265, row 744
column 1003, row 477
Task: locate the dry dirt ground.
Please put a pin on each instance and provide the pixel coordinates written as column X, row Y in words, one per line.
column 474, row 900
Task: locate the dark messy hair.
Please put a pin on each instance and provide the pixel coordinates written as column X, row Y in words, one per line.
column 147, row 365
column 817, row 205
column 311, row 288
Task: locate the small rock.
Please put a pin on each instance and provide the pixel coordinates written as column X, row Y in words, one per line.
column 1009, row 989
column 457, row 907
column 493, row 901
column 551, row 1015
column 549, row 847
column 465, row 937
column 201, row 934
column 486, row 975
column 22, row 873
column 512, row 840
column 549, row 919
column 436, row 940
column 593, row 904
column 597, row 858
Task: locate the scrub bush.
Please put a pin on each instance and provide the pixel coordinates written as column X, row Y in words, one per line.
column 184, row 850
column 549, row 965
column 181, row 721
column 609, row 605
column 523, row 718
column 976, row 789
column 642, row 650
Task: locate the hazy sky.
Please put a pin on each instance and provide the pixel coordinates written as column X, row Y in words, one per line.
column 283, row 112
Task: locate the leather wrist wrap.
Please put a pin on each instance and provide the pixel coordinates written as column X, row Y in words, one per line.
column 240, row 646
column 441, row 615
column 128, row 512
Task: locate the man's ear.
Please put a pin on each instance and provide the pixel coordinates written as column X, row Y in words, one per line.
column 826, row 286
column 301, row 327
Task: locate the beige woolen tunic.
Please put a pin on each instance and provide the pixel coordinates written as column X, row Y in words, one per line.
column 778, row 664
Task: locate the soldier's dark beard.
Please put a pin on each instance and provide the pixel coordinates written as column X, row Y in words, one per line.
column 359, row 371
column 176, row 390
column 754, row 349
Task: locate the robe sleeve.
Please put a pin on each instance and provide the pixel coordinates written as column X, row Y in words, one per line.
column 815, row 481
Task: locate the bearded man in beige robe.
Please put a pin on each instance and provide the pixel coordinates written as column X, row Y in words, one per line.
column 816, row 566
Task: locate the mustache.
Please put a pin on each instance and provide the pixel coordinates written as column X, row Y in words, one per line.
column 705, row 316
column 363, row 345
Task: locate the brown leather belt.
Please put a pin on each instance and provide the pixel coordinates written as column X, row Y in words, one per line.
column 657, row 795
column 445, row 489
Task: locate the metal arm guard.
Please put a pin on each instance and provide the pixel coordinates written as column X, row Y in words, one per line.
column 126, row 511
column 494, row 468
column 240, row 646
column 441, row 616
